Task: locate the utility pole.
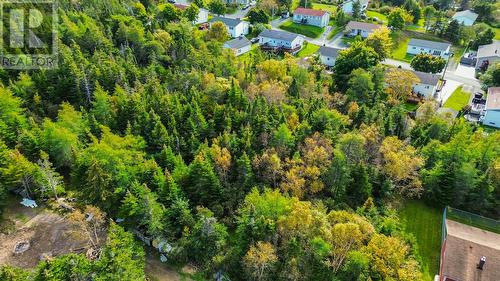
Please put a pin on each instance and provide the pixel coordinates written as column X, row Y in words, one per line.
column 442, row 77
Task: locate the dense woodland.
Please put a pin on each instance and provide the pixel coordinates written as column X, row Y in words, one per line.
column 256, row 167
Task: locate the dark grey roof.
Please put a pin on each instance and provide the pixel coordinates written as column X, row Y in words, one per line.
column 278, row 34
column 237, row 43
column 329, row 51
column 226, row 21
column 427, row 78
column 443, row 46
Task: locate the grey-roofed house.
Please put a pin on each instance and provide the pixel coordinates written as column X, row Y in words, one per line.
column 363, row 29
column 428, row 85
column 277, row 40
column 466, row 17
column 235, row 27
column 239, row 45
column 437, row 49
column 328, row 55
column 488, row 55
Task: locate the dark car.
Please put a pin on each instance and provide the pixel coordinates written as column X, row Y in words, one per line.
column 171, row 1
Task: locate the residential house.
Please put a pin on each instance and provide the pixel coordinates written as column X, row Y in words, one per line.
column 466, row 17
column 328, row 55
column 282, row 40
column 239, row 2
column 239, row 45
column 202, row 14
column 437, row 49
column 235, row 27
column 487, row 55
column 363, row 29
column 347, row 6
column 469, row 250
column 311, row 17
column 428, row 85
column 492, row 110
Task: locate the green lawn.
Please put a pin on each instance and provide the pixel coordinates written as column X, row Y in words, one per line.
column 497, row 32
column 332, row 9
column 307, row 50
column 457, row 100
column 380, row 16
column 424, row 223
column 400, row 44
column 307, row 30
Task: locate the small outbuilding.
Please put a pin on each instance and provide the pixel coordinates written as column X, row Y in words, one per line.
column 328, row 55
column 492, row 108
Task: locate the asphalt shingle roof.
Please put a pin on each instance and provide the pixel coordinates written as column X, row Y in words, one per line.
column 237, row 43
column 278, row 34
column 427, row 78
column 443, row 46
column 362, row 25
column 226, row 21
column 490, row 50
column 493, row 98
column 329, row 51
column 309, row 12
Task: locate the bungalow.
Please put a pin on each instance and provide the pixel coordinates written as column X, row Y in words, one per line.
column 466, row 17
column 239, row 45
column 427, row 86
column 492, row 109
column 347, row 6
column 235, row 27
column 328, row 55
column 277, row 39
column 363, row 29
column 488, row 54
column 437, row 49
column 311, row 17
column 239, row 2
column 202, row 14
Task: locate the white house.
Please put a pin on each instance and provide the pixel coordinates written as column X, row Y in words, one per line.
column 437, row 49
column 240, row 2
column 466, row 17
column 363, row 29
column 239, row 45
column 202, row 14
column 347, row 6
column 328, row 55
column 235, row 27
column 428, row 85
column 492, row 109
column 487, row 55
column 311, row 17
column 273, row 39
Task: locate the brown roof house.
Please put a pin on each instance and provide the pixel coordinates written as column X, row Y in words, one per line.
column 492, row 108
column 311, row 17
column 470, row 249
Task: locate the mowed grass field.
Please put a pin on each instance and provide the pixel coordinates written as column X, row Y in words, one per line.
column 424, row 223
column 458, row 99
column 306, row 30
column 307, row 50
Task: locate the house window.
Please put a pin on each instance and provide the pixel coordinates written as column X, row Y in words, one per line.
column 414, row 48
column 437, row 53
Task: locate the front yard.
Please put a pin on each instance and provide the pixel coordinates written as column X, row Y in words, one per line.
column 304, row 29
column 381, row 17
column 399, row 46
column 307, row 50
column 457, row 100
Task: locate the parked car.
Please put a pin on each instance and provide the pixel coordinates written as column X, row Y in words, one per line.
column 285, row 15
column 254, row 40
column 171, row 1
column 246, row 7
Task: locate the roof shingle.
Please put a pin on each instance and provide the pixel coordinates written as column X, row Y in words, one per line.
column 443, row 46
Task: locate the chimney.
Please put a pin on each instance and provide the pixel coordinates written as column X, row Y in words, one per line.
column 481, row 263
